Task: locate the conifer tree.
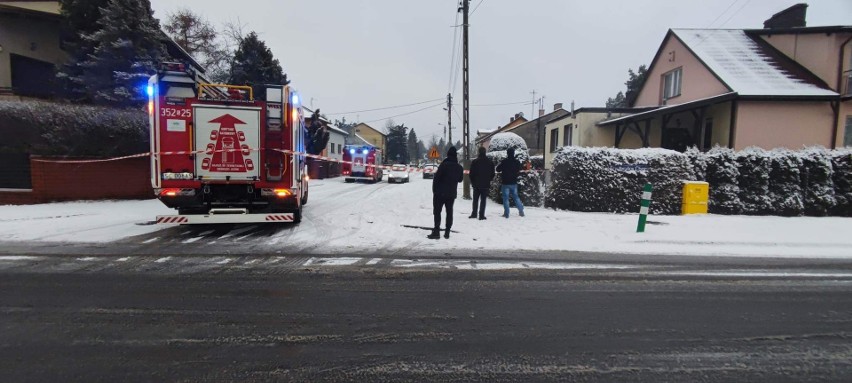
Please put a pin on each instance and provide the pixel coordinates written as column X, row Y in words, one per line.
column 127, row 46
column 254, row 64
column 77, row 21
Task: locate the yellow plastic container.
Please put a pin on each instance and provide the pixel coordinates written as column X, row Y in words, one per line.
column 695, row 197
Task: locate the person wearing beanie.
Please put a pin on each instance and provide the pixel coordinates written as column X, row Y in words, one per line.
column 481, row 174
column 444, row 190
column 509, row 170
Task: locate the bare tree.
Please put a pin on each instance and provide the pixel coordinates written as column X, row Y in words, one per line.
column 202, row 40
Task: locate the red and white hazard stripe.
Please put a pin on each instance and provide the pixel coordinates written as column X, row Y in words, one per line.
column 279, row 218
column 172, row 219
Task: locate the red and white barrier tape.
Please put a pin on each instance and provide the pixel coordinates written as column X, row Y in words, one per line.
column 284, row 151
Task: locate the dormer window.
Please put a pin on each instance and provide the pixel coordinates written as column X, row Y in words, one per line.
column 671, row 84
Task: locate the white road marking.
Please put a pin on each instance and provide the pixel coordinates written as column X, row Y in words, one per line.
column 374, row 261
column 18, row 258
column 162, row 260
column 341, row 261
column 87, row 259
column 125, row 259
column 224, row 261
column 151, row 240
column 756, row 274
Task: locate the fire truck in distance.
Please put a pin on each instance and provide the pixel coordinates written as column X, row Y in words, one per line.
column 362, row 163
column 219, row 150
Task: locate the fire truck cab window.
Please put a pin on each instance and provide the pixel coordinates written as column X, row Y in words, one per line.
column 178, row 91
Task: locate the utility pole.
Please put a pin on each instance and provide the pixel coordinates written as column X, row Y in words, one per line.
column 466, row 115
column 450, row 117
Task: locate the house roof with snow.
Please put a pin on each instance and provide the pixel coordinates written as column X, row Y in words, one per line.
column 747, row 66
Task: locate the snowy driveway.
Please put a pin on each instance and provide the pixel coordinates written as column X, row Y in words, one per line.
column 343, row 218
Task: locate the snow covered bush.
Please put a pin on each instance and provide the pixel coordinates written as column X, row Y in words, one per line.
column 722, row 175
column 754, row 166
column 502, row 141
column 817, row 181
column 841, row 161
column 78, row 130
column 785, row 183
column 611, row 180
column 698, row 160
column 529, row 183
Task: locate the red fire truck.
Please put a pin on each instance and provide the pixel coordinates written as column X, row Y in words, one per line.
column 219, row 151
column 362, row 162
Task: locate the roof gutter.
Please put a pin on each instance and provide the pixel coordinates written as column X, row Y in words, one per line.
column 834, row 129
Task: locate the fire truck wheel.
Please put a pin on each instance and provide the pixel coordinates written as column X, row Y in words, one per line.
column 297, row 215
column 305, row 198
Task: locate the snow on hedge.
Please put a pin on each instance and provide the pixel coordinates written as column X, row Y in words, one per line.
column 814, row 181
column 78, row 130
column 611, row 180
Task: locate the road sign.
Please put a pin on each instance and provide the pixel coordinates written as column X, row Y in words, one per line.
column 433, row 153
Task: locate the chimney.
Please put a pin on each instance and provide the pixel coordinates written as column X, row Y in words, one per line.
column 557, row 106
column 793, row 17
column 541, row 112
column 511, row 119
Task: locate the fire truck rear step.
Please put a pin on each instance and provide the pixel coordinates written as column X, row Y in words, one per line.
column 204, row 219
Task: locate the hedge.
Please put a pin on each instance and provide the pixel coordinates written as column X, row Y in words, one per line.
column 74, row 130
column 814, row 181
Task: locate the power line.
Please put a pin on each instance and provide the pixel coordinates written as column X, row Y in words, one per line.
column 722, row 14
column 457, row 65
column 504, row 104
column 385, row 108
column 476, row 7
column 453, row 56
column 406, row 114
column 735, row 13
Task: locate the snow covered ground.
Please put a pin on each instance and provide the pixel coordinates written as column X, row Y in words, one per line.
column 343, row 218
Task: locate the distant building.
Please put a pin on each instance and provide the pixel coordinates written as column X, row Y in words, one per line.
column 580, row 129
column 786, row 85
column 372, row 136
column 533, row 131
column 31, row 48
column 483, row 137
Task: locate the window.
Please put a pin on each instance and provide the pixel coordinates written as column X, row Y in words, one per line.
column 554, row 139
column 568, row 136
column 671, row 84
column 847, row 138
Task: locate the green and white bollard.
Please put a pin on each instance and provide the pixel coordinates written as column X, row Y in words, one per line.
column 643, row 210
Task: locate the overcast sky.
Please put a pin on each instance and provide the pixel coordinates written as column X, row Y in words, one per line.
column 352, row 55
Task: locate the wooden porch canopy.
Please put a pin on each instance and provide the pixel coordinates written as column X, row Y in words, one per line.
column 641, row 122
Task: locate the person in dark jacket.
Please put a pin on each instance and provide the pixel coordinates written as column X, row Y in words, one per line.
column 481, row 174
column 509, row 170
column 444, row 190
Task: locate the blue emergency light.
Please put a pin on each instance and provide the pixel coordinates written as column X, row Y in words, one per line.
column 295, row 99
column 351, row 151
column 366, row 151
column 150, row 90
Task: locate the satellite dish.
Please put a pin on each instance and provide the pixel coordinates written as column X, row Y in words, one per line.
column 521, row 114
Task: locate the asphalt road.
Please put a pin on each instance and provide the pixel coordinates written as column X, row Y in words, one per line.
column 247, row 319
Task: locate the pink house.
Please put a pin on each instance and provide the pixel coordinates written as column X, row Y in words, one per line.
column 782, row 86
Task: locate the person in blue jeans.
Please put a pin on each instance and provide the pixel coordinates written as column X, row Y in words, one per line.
column 509, row 170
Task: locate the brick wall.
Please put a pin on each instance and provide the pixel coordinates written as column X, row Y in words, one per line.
column 56, row 181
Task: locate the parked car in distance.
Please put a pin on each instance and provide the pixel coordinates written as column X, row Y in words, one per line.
column 429, row 170
column 398, row 173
